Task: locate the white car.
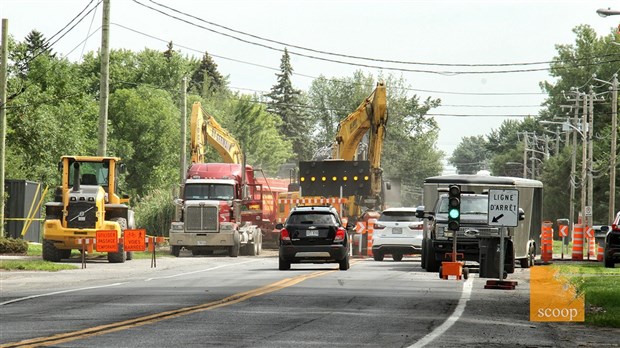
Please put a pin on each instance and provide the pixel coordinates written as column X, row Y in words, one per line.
column 397, row 232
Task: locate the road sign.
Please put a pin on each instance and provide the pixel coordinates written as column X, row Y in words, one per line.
column 360, row 227
column 503, row 208
column 588, row 210
column 135, row 240
column 106, row 241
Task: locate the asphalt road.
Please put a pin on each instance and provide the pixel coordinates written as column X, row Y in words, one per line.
column 216, row 301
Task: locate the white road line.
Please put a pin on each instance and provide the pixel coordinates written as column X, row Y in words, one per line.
column 458, row 311
column 57, row 292
column 199, row 271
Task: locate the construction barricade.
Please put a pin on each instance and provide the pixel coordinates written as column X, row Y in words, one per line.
column 589, row 234
column 546, row 241
column 370, row 230
column 577, row 254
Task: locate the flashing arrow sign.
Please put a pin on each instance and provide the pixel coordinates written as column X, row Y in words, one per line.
column 503, row 208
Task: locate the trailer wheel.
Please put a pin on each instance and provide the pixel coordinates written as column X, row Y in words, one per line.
column 397, row 257
column 175, row 250
column 378, row 256
column 528, row 261
column 50, row 252
column 465, row 273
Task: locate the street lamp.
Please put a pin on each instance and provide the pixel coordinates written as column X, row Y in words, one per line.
column 604, row 12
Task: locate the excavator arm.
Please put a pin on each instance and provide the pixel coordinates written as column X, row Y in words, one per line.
column 370, row 116
column 205, row 129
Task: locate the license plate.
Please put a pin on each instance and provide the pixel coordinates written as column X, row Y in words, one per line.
column 312, row 233
column 201, row 242
column 397, row 230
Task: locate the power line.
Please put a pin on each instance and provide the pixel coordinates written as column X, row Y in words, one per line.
column 357, row 57
column 447, row 73
column 315, row 77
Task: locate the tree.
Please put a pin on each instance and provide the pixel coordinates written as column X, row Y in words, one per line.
column 470, row 155
column 206, row 79
column 144, row 132
column 34, row 45
column 285, row 101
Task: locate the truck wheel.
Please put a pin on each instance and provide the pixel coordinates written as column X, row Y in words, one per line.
column 397, row 257
column 378, row 256
column 120, row 256
column 432, row 265
column 175, row 250
column 50, row 252
column 283, row 265
column 465, row 273
column 234, row 250
column 344, row 263
column 129, row 255
column 259, row 248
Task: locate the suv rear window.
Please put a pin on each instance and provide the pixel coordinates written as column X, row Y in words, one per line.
column 398, row 216
column 312, row 219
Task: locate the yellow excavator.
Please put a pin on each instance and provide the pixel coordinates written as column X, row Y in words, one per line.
column 370, row 118
column 205, row 129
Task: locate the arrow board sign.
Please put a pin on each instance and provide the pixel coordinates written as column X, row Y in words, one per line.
column 503, row 208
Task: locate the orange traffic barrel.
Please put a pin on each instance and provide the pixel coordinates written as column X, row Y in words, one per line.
column 591, row 247
column 601, row 252
column 546, row 241
column 577, row 243
column 370, row 229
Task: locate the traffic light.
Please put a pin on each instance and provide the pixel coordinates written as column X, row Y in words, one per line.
column 454, row 207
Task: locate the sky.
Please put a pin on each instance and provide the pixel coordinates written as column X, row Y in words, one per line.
column 450, row 33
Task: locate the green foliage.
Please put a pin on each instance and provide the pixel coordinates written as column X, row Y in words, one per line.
column 144, row 124
column 600, row 287
column 286, row 102
column 34, row 265
column 13, row 246
column 155, row 212
column 471, row 155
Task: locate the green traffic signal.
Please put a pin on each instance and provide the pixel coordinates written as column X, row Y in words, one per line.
column 454, row 213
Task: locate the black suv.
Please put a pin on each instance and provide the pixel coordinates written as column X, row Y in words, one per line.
column 612, row 243
column 313, row 234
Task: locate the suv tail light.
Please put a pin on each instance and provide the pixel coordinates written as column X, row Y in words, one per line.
column 340, row 234
column 379, row 226
column 284, row 235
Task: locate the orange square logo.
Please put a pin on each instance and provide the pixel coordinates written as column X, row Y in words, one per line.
column 553, row 298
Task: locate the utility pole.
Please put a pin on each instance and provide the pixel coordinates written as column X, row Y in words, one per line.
column 183, row 130
column 104, row 83
column 3, row 67
column 614, row 148
column 584, row 159
column 573, row 165
column 590, row 156
column 525, row 156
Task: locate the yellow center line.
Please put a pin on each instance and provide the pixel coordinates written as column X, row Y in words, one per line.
column 157, row 317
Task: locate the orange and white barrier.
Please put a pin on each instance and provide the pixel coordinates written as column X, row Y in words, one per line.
column 312, row 201
column 370, row 230
column 546, row 241
column 577, row 243
column 591, row 248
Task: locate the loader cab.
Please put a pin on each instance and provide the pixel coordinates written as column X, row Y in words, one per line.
column 80, row 172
